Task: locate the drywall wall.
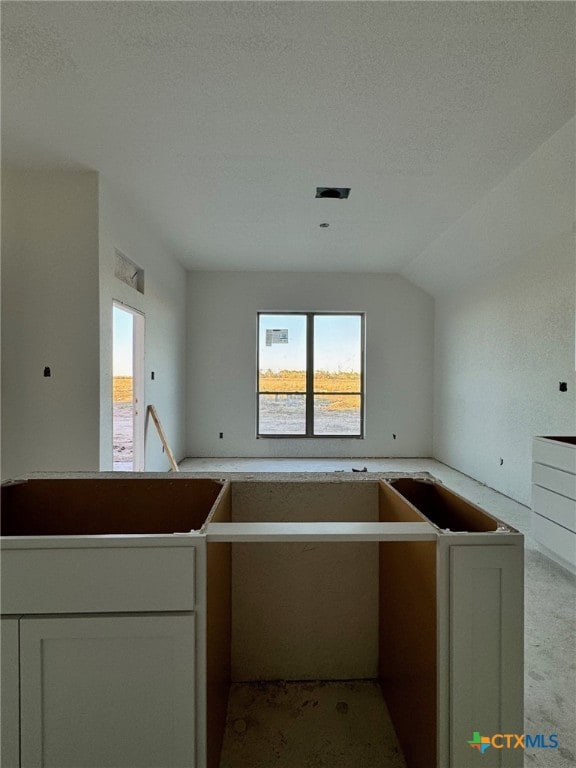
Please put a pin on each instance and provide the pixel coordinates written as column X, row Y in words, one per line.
column 222, row 337
column 501, row 351
column 49, row 319
column 505, row 322
column 164, row 307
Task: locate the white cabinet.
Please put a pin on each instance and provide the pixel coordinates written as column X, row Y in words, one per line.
column 486, row 624
column 554, row 498
column 103, row 588
column 9, row 728
column 99, row 653
column 107, row 691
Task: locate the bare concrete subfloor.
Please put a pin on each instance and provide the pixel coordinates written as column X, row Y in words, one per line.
column 311, row 724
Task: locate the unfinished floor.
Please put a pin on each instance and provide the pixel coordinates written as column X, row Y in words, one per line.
column 309, row 725
column 550, row 598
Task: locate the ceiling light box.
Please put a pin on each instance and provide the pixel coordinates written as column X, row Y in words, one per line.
column 335, row 193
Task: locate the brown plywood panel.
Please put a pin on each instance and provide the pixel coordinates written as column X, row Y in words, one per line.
column 303, row 610
column 218, row 633
column 407, row 634
column 393, row 507
column 443, row 507
column 221, row 511
column 107, row 506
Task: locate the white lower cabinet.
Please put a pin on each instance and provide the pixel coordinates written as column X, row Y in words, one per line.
column 9, row 725
column 554, row 498
column 113, row 691
column 486, row 665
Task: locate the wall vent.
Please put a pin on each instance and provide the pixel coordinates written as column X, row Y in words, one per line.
column 127, row 271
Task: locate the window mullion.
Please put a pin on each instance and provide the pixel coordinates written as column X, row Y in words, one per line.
column 309, row 374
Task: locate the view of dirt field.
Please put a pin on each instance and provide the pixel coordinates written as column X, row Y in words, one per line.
column 324, row 381
column 123, row 426
column 123, row 389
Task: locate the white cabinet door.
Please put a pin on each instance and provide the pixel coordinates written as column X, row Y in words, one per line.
column 486, row 651
column 9, row 708
column 108, row 691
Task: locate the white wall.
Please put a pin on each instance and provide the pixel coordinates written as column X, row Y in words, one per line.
column 49, row 318
column 501, row 351
column 504, row 280
column 164, row 307
column 222, row 309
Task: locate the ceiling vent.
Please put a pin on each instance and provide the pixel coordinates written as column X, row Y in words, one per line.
column 336, row 193
column 127, row 271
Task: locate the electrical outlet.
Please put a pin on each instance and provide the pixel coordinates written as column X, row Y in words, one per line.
column 221, row 435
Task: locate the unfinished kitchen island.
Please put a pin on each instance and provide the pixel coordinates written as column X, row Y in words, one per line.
column 132, row 604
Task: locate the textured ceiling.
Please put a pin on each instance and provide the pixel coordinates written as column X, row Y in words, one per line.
column 218, row 120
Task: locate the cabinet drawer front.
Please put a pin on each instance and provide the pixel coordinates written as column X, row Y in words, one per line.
column 555, row 507
column 557, row 539
column 555, row 454
column 99, row 579
column 554, row 479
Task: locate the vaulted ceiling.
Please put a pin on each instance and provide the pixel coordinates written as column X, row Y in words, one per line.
column 218, row 120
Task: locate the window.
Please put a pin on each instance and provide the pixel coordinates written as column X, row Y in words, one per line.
column 310, row 375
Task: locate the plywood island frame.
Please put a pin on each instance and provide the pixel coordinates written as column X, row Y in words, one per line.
column 271, row 577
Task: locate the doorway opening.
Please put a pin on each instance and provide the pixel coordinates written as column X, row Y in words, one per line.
column 128, row 389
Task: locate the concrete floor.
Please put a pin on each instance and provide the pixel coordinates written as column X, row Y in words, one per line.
column 309, row 725
column 550, row 596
